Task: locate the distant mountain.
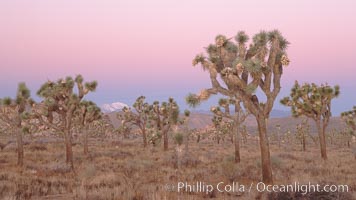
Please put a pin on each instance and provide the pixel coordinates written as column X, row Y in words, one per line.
column 280, row 113
column 113, row 107
column 201, row 120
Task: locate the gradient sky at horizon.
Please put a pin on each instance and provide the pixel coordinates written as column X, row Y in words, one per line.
column 142, row 47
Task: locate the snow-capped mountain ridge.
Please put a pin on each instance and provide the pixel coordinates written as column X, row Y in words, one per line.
column 113, row 107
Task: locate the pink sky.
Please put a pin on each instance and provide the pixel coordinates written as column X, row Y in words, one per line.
column 149, row 45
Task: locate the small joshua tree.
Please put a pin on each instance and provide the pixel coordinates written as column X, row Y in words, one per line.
column 140, row 117
column 244, row 70
column 59, row 104
column 302, row 132
column 104, row 128
column 13, row 112
column 221, row 128
column 314, row 102
column 239, row 116
column 165, row 115
column 244, row 134
column 87, row 113
column 184, row 121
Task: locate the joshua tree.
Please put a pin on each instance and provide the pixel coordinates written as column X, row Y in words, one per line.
column 314, row 102
column 140, row 117
column 332, row 135
column 287, row 136
column 87, row 113
column 58, row 107
column 221, row 128
column 244, row 134
column 185, row 123
column 349, row 117
column 13, row 112
column 302, row 131
column 179, row 138
column 165, row 115
column 244, row 70
column 239, row 116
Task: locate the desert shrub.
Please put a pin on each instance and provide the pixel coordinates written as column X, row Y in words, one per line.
column 135, row 166
column 249, row 171
column 170, row 160
column 308, row 160
column 13, row 186
column 178, row 138
column 88, row 172
column 287, row 156
column 354, row 151
column 54, row 168
column 189, row 160
column 37, row 147
column 229, row 168
column 275, row 161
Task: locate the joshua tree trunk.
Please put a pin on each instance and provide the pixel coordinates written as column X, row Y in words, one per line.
column 20, row 153
column 69, row 151
column 265, row 154
column 198, row 139
column 237, row 141
column 186, row 141
column 144, row 137
column 321, row 132
column 165, row 138
column 303, row 140
column 86, row 151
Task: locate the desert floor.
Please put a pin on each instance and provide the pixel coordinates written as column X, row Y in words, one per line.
column 123, row 169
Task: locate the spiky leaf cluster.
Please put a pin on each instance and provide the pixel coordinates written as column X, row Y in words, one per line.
column 311, row 100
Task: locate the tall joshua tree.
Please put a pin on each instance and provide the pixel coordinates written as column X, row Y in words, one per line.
column 58, row 107
column 140, row 117
column 314, row 102
column 241, row 72
column 165, row 115
column 13, row 113
column 87, row 113
column 239, row 116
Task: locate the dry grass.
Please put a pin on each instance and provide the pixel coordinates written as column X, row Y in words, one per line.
column 125, row 170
